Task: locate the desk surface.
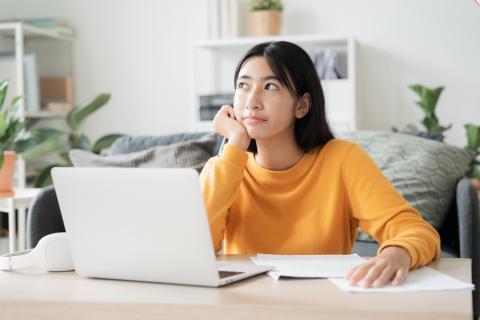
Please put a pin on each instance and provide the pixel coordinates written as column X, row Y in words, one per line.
column 33, row 294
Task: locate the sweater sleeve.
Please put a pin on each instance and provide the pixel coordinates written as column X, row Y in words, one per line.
column 383, row 213
column 220, row 181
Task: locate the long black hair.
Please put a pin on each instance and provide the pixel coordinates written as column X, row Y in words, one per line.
column 295, row 70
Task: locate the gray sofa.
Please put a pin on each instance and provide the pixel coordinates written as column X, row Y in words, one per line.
column 459, row 232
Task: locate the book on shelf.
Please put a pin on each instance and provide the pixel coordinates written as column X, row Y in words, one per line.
column 57, row 24
column 58, row 106
column 211, row 103
column 57, row 93
column 31, row 99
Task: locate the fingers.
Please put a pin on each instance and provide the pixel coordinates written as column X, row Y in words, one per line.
column 373, row 273
column 357, row 273
column 400, row 277
column 387, row 274
column 376, row 273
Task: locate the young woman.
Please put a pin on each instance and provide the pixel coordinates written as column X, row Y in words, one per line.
column 284, row 185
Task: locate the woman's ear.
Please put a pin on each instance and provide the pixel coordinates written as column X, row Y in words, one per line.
column 303, row 106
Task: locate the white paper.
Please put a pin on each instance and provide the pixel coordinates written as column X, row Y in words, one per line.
column 308, row 266
column 422, row 279
column 335, row 267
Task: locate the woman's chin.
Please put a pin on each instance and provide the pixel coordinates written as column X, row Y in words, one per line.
column 254, row 133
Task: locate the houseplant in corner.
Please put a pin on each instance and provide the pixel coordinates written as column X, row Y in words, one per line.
column 265, row 17
column 10, row 129
column 473, row 144
column 428, row 103
column 47, row 141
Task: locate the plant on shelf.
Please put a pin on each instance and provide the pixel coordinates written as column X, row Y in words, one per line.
column 473, row 144
column 428, row 103
column 11, row 127
column 265, row 17
column 256, row 5
column 47, row 141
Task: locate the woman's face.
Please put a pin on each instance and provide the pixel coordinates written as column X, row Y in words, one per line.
column 261, row 103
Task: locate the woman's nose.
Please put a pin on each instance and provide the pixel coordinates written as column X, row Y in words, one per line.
column 253, row 99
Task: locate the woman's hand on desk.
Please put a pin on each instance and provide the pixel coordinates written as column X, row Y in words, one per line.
column 391, row 265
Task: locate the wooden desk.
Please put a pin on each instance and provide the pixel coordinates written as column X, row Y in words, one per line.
column 32, row 294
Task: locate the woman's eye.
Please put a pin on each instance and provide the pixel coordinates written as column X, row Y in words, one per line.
column 270, row 86
column 241, row 85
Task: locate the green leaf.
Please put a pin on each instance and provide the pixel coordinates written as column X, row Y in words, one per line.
column 474, row 171
column 3, row 125
column 105, row 142
column 435, row 95
column 46, row 147
column 12, row 133
column 442, row 128
column 431, row 124
column 256, row 5
column 41, row 134
column 15, row 100
column 412, row 128
column 66, row 157
column 424, row 107
column 3, row 92
column 79, row 141
column 473, row 136
column 44, row 179
column 77, row 115
column 36, row 137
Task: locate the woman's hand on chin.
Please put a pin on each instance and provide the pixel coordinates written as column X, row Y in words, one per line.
column 226, row 124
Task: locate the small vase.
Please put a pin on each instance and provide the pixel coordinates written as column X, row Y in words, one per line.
column 265, row 22
column 6, row 174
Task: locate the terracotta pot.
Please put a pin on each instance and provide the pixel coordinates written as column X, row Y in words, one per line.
column 265, row 22
column 476, row 183
column 6, row 174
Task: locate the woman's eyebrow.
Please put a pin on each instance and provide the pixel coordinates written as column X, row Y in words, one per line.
column 269, row 77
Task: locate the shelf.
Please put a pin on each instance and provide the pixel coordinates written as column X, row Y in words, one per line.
column 46, row 115
column 60, row 32
column 215, row 60
column 247, row 41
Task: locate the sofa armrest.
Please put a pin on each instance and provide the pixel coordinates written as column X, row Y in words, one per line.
column 44, row 217
column 467, row 210
column 469, row 228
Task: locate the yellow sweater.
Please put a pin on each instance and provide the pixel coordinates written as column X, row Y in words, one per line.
column 314, row 207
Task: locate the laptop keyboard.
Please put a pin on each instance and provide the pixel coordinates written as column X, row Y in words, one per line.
column 225, row 274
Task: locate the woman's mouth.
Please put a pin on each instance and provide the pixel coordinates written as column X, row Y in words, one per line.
column 253, row 119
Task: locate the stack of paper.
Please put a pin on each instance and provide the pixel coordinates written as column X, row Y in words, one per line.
column 308, row 266
column 335, row 267
column 422, row 279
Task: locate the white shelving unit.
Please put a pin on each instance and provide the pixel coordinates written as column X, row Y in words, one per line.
column 19, row 32
column 214, row 61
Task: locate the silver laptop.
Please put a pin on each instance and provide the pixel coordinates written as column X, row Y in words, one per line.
column 141, row 224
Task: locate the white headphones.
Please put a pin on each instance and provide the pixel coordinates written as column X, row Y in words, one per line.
column 51, row 253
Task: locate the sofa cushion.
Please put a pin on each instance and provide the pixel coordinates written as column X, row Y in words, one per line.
column 185, row 154
column 130, row 144
column 423, row 171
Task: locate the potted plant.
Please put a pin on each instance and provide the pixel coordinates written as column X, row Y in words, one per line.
column 265, row 17
column 428, row 103
column 10, row 129
column 473, row 144
column 47, row 141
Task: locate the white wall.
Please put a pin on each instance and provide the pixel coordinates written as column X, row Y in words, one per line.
column 138, row 51
column 403, row 42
